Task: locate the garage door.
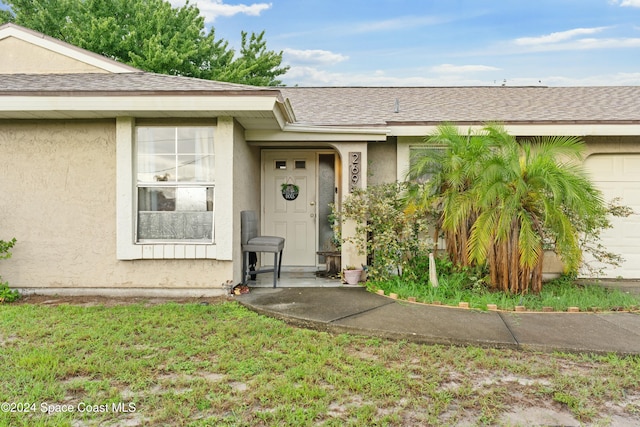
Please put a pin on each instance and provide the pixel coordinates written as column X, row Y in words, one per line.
column 618, row 175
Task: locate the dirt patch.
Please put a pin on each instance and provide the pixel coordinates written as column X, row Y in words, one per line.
column 91, row 300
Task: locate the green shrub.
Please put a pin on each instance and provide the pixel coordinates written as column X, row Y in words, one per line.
column 6, row 294
column 392, row 237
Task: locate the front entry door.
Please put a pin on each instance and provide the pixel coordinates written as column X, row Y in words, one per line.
column 295, row 219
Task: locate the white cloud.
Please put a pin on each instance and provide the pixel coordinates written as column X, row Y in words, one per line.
column 310, row 76
column 458, row 69
column 211, row 9
column 313, row 56
column 557, row 37
column 400, row 23
column 630, row 3
column 588, row 44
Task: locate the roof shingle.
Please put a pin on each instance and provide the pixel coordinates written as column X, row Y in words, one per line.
column 346, row 106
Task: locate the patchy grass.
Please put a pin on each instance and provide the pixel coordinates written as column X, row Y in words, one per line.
column 220, row 364
column 558, row 294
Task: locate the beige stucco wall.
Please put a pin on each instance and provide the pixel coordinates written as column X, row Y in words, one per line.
column 19, row 56
column 58, row 200
column 246, row 189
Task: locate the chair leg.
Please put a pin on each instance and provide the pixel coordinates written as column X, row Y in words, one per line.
column 275, row 268
column 280, row 264
column 245, row 256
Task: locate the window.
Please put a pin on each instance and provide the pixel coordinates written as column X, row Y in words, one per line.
column 426, row 152
column 175, row 184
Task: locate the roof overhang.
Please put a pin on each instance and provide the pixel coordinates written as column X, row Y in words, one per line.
column 305, row 133
column 252, row 111
column 622, row 128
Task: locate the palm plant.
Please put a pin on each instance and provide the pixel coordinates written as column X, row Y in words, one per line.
column 499, row 201
column 530, row 193
column 451, row 173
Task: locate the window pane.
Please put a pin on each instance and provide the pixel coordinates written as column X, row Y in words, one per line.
column 175, row 214
column 429, row 152
column 175, row 226
column 191, row 199
column 156, row 199
column 187, row 140
column 156, row 168
column 195, row 168
column 156, row 140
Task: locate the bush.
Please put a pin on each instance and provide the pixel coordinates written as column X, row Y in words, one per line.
column 391, row 236
column 6, row 294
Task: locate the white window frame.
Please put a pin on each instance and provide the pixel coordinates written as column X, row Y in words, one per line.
column 127, row 248
column 174, row 183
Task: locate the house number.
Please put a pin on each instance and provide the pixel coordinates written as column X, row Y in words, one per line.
column 354, row 169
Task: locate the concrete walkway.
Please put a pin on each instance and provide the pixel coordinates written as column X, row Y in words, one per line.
column 354, row 310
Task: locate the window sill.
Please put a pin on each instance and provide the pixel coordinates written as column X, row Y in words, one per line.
column 169, row 251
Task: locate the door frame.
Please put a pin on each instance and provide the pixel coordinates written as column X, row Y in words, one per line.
column 316, row 156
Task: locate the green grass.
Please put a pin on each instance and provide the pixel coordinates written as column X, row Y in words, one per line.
column 220, row 364
column 558, row 294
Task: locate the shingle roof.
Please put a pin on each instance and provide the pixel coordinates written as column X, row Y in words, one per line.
column 89, row 83
column 367, row 106
column 375, row 106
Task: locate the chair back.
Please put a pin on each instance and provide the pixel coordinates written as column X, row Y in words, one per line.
column 249, row 225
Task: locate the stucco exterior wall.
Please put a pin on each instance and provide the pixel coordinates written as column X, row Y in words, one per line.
column 246, row 189
column 59, row 191
column 383, row 166
column 19, row 56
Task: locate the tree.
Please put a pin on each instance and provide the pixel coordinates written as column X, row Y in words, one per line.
column 528, row 195
column 452, row 171
column 501, row 200
column 153, row 36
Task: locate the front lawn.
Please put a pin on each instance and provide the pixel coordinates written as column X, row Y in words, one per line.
column 558, row 295
column 220, row 364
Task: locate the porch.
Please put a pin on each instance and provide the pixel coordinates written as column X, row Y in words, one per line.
column 296, row 278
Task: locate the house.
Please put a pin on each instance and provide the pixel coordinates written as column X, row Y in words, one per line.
column 119, row 181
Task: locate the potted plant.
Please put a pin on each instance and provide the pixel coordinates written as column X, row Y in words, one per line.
column 352, row 275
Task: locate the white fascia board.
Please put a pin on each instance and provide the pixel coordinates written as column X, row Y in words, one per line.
column 66, row 49
column 135, row 104
column 533, row 129
column 292, row 133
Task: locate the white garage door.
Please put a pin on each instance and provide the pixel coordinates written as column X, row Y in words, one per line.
column 618, row 175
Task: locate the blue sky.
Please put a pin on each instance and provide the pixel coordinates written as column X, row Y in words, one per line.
column 442, row 42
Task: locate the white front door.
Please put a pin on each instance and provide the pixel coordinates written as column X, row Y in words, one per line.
column 293, row 219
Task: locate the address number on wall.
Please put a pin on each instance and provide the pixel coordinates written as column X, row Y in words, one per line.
column 355, row 158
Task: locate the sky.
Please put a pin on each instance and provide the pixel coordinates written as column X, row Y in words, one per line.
column 441, row 42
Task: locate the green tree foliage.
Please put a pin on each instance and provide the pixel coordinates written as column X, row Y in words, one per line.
column 153, row 36
column 500, row 201
column 453, row 171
